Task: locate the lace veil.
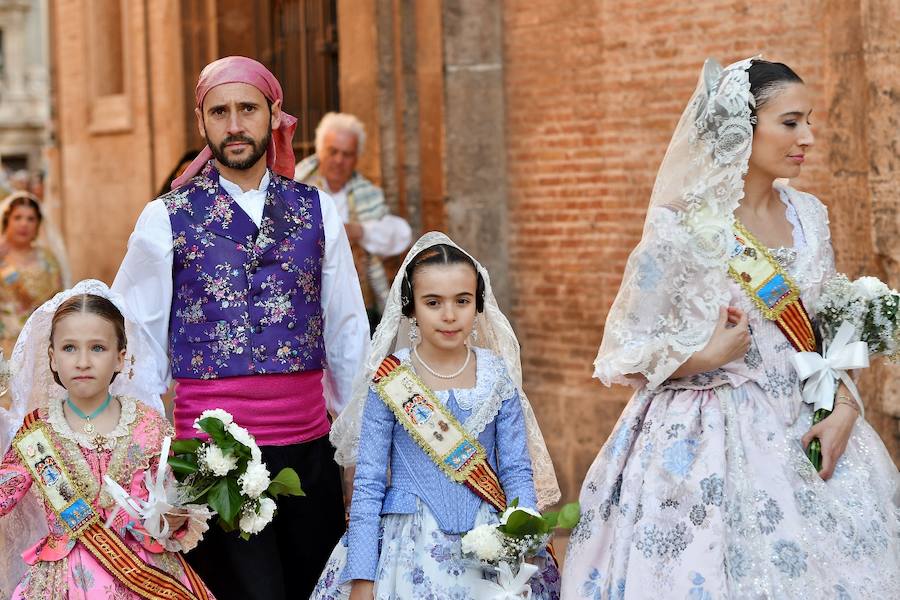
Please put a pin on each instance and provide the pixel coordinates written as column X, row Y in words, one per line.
column 32, row 387
column 676, row 278
column 494, row 333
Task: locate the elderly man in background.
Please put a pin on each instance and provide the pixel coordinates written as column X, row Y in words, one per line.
column 373, row 232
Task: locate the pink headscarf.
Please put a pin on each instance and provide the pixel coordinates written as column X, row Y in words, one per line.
column 240, row 69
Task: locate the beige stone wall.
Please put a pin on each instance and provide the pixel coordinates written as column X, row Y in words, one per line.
column 114, row 145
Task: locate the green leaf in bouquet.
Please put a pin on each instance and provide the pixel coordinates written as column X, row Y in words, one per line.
column 520, row 523
column 199, row 488
column 224, row 497
column 182, row 466
column 188, row 446
column 215, row 429
column 287, row 482
column 226, row 527
column 569, row 516
column 551, row 518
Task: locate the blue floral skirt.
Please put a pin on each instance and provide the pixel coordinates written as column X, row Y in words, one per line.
column 419, row 561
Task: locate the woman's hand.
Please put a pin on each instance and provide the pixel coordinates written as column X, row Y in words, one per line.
column 730, row 341
column 362, row 589
column 833, row 432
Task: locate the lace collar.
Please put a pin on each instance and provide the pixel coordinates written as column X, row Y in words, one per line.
column 484, row 399
column 57, row 419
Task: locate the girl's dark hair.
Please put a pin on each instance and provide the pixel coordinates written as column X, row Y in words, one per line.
column 439, row 254
column 22, row 199
column 93, row 305
column 766, row 78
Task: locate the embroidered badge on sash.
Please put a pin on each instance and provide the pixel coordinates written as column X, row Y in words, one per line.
column 770, row 288
column 52, row 478
column 434, row 428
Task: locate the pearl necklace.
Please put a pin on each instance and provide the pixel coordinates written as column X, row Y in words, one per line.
column 440, row 375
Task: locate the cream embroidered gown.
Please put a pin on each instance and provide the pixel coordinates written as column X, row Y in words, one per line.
column 703, row 490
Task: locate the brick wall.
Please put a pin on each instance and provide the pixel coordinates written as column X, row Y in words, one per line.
column 593, row 92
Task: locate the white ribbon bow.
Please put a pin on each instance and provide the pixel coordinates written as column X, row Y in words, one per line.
column 822, row 373
column 151, row 512
column 507, row 586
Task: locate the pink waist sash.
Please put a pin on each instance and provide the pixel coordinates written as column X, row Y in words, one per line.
column 278, row 409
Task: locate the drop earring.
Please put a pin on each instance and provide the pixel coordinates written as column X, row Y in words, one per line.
column 413, row 331
column 473, row 337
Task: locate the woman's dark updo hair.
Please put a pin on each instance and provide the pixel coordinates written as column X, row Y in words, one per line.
column 439, row 254
column 22, row 199
column 766, row 78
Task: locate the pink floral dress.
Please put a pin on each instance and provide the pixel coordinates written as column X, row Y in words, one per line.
column 61, row 567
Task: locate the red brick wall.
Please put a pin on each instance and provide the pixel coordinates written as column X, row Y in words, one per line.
column 593, row 92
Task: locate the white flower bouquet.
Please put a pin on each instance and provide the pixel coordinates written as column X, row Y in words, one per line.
column 227, row 474
column 855, row 320
column 867, row 304
column 504, row 546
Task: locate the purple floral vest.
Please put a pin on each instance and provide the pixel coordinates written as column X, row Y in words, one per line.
column 245, row 301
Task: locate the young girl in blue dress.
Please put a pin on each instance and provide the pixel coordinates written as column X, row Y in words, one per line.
column 442, row 325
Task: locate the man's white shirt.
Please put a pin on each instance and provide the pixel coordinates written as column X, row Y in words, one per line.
column 388, row 236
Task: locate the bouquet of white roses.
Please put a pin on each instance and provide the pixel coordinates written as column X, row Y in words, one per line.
column 504, row 546
column 856, row 320
column 227, row 473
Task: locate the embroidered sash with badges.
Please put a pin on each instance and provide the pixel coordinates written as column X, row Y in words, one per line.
column 770, row 288
column 63, row 495
column 457, row 454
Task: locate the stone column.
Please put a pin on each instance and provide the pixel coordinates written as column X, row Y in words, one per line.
column 475, row 138
column 14, row 46
column 881, row 51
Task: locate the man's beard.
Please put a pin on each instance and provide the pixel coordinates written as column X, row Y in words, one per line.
column 258, row 150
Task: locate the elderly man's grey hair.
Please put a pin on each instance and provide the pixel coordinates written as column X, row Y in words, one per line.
column 334, row 121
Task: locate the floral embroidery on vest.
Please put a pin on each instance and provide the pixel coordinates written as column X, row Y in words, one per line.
column 246, row 300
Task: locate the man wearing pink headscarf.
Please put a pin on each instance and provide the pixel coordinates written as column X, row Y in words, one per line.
column 245, row 280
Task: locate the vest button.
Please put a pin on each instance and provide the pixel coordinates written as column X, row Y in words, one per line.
column 258, row 329
column 239, row 350
column 285, row 266
column 291, row 325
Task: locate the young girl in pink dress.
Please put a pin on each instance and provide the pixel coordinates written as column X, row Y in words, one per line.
column 83, row 430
